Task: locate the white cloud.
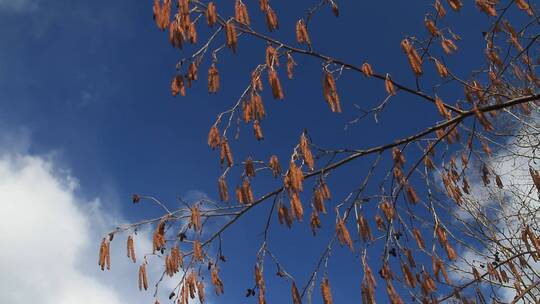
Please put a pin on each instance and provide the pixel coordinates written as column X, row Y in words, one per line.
column 18, row 6
column 504, row 209
column 50, row 238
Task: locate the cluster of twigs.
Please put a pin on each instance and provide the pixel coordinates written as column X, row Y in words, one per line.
column 443, row 213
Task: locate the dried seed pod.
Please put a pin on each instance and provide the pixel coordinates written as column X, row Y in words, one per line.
column 177, row 86
column 271, row 56
column 441, row 12
column 277, row 91
column 223, row 191
column 387, row 209
column 225, row 153
column 214, row 139
column 241, row 12
column 419, row 240
column 365, row 231
column 231, row 35
column 296, row 206
column 176, row 34
column 306, row 152
column 162, row 13
column 326, row 292
column 143, row 277
column 441, row 68
column 442, row 109
column 131, row 249
column 200, row 291
column 290, row 66
column 294, row 178
column 216, row 281
column 330, row 92
column 192, row 73
column 198, row 253
column 271, row 19
column 211, row 14
column 256, row 82
column 389, row 85
column 315, row 222
column 284, row 216
column 274, row 165
column 213, row 79
column 431, row 27
column 104, row 255
column 414, row 59
column 455, row 4
column 343, row 235
column 301, row 32
column 366, row 69
column 448, row 46
column 487, row 7
column 249, row 168
column 263, row 5
column 524, row 6
column 258, row 130
column 195, row 219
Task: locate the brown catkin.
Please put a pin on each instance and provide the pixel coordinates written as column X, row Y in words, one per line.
column 131, row 249
column 441, row 68
column 389, row 85
column 441, row 11
column 296, row 206
column 326, row 292
column 257, row 130
column 211, row 14
column 223, row 190
column 330, row 92
column 343, row 234
column 213, row 79
column 455, row 4
column 198, row 253
column 274, row 165
column 271, row 19
column 214, row 139
column 104, row 255
column 249, row 168
column 232, row 36
column 290, row 66
column 277, row 91
column 216, row 281
column 367, row 69
column 306, row 151
column 195, row 219
column 414, row 59
column 302, row 35
column 143, row 278
column 177, row 86
column 241, row 12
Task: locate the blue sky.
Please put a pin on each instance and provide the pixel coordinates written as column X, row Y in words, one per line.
column 85, row 84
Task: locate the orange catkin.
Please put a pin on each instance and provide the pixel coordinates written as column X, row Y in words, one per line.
column 367, row 69
column 211, row 14
column 302, row 35
column 223, row 190
column 241, row 12
column 213, row 79
column 177, row 86
column 277, row 91
column 330, row 92
column 131, row 249
column 232, row 36
column 389, row 85
column 326, row 292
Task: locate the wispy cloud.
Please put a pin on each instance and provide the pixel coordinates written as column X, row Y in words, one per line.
column 19, row 6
